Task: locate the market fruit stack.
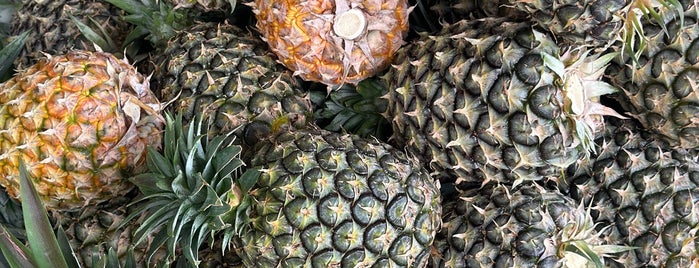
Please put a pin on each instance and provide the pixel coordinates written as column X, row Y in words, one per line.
column 333, row 41
column 308, row 198
column 81, row 122
column 221, row 71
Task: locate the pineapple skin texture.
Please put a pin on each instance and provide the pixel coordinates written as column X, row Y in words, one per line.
column 661, row 90
column 331, row 200
column 93, row 230
column 647, row 190
column 53, row 32
column 575, row 22
column 506, row 226
column 300, row 32
column 76, row 123
column 229, row 75
column 478, row 104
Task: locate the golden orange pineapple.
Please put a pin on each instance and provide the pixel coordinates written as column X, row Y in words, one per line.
column 333, row 41
column 81, row 122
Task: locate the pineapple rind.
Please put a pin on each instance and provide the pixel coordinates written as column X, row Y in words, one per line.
column 521, row 226
column 487, row 100
column 647, row 190
column 228, row 75
column 330, row 199
column 81, row 122
column 300, row 32
column 661, row 89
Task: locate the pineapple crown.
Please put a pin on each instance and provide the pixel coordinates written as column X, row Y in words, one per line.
column 357, row 110
column 192, row 190
column 579, row 242
column 156, row 21
column 9, row 53
column 579, row 74
column 659, row 11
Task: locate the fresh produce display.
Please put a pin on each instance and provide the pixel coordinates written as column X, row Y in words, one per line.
column 347, row 133
column 308, row 198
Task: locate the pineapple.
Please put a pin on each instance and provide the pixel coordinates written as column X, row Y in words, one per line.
column 308, row 198
column 333, row 41
column 228, row 74
column 54, row 32
column 522, row 226
column 223, row 72
column 95, row 230
column 81, row 122
column 660, row 87
column 597, row 23
column 647, row 190
column 490, row 100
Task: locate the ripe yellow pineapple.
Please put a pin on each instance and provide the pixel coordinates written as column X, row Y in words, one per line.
column 81, row 122
column 333, row 41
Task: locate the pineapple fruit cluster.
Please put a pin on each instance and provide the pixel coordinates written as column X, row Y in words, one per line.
column 347, row 133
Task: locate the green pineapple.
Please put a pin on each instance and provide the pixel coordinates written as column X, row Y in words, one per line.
column 522, row 226
column 660, row 88
column 55, row 33
column 221, row 71
column 490, row 100
column 647, row 190
column 309, row 198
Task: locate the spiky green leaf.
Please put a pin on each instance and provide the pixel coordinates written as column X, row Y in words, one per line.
column 583, row 249
column 40, row 236
column 553, row 63
column 66, row 249
column 16, row 254
column 100, row 39
column 10, row 52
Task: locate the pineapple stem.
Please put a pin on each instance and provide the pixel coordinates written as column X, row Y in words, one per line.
column 350, row 25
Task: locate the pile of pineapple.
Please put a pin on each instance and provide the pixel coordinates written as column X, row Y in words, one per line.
column 336, row 133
